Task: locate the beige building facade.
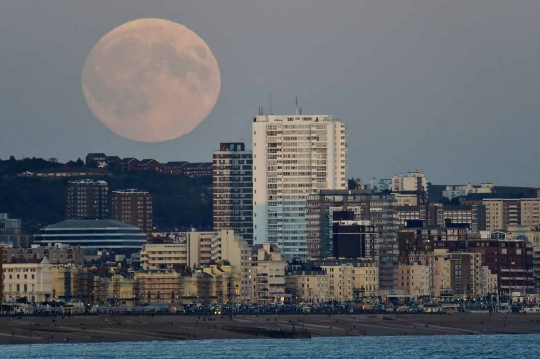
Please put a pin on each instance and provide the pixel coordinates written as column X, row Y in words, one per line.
column 30, row 280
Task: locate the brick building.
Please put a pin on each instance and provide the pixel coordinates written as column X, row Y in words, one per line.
column 133, row 207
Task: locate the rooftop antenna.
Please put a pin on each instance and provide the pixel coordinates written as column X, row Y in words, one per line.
column 270, row 100
column 300, row 110
column 296, row 103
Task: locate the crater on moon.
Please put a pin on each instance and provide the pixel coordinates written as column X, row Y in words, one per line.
column 151, row 80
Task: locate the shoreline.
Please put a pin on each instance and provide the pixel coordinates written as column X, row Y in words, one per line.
column 116, row 328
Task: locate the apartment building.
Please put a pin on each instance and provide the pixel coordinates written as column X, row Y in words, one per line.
column 293, row 156
column 233, row 189
column 57, row 254
column 195, row 249
column 413, row 279
column 350, row 279
column 379, row 209
column 268, row 274
column 502, row 213
column 307, row 286
column 87, row 199
column 414, row 182
column 133, row 207
column 452, row 192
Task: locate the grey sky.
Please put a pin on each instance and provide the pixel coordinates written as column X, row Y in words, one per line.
column 448, row 87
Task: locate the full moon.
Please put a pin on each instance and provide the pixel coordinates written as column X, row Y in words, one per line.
column 151, row 80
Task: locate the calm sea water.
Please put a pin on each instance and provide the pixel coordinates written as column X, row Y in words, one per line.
column 478, row 346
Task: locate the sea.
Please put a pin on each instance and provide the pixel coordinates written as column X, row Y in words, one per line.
column 462, row 347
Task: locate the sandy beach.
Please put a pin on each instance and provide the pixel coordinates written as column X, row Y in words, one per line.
column 112, row 328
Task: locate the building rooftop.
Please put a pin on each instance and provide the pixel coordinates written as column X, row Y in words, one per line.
column 130, row 191
column 175, row 163
column 89, row 181
column 89, row 224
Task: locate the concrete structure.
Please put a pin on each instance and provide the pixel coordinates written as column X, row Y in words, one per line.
column 353, row 239
column 233, row 190
column 195, row 249
column 92, row 235
column 415, row 182
column 87, row 199
column 293, row 157
column 350, row 279
column 452, row 192
column 133, row 207
column 406, row 199
column 268, row 274
column 57, row 254
column 379, row 209
column 383, row 185
column 436, row 214
column 30, row 280
column 502, row 213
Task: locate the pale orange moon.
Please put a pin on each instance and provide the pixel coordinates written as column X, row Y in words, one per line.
column 151, row 80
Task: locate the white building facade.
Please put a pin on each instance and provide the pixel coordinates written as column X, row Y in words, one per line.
column 293, row 157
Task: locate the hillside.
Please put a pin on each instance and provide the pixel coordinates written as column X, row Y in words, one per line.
column 178, row 201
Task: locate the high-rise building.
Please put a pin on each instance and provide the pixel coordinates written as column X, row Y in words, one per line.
column 87, row 199
column 293, row 157
column 133, row 207
column 233, row 189
column 379, row 209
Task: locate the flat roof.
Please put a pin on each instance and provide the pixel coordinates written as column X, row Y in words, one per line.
column 89, row 224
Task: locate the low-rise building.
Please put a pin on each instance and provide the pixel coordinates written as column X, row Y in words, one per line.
column 452, row 192
column 196, row 249
column 173, row 168
column 56, row 254
column 27, row 280
column 99, row 159
column 148, row 164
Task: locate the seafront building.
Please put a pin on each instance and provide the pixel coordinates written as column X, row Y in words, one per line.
column 350, row 279
column 268, row 274
column 379, row 209
column 27, row 280
column 195, row 249
column 293, row 157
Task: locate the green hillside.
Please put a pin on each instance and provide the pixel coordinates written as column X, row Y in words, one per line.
column 178, row 201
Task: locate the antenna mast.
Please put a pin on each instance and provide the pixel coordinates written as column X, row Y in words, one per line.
column 270, row 100
column 296, row 103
